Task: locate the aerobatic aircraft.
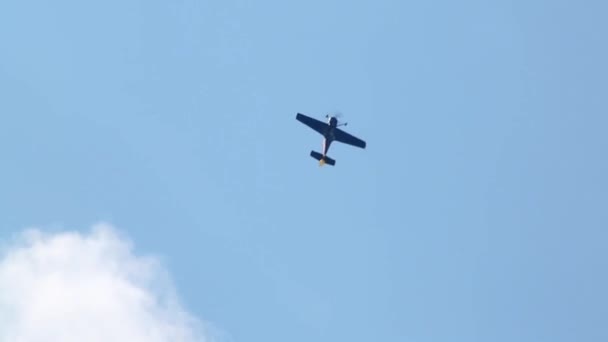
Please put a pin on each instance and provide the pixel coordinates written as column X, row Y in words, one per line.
column 330, row 132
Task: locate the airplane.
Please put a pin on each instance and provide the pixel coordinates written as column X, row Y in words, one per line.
column 330, row 132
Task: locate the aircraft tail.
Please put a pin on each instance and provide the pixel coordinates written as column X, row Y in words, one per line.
column 322, row 161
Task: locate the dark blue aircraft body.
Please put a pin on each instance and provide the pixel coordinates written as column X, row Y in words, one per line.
column 330, row 132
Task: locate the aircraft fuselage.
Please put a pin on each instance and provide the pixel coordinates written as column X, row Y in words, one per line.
column 329, row 134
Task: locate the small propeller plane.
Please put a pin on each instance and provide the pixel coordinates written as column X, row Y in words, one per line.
column 330, row 132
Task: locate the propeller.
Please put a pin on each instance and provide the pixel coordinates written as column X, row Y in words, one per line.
column 337, row 115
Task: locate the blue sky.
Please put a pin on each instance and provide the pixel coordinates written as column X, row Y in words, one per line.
column 476, row 213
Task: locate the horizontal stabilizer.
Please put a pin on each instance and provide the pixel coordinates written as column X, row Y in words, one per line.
column 322, row 160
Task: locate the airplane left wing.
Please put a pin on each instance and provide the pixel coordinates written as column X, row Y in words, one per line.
column 346, row 138
column 315, row 124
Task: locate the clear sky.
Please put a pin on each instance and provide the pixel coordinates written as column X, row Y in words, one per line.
column 478, row 211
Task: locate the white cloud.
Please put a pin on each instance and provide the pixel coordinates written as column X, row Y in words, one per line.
column 90, row 287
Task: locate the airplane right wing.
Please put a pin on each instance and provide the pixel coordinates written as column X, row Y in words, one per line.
column 315, row 124
column 346, row 138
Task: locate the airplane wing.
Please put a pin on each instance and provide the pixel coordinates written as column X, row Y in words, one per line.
column 346, row 138
column 315, row 124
